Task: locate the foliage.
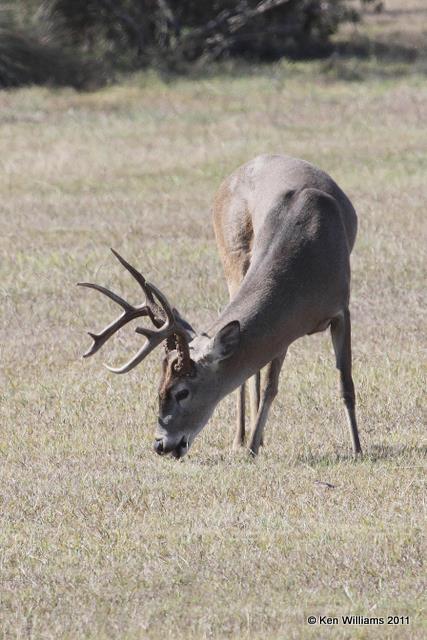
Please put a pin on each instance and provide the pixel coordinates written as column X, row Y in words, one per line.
column 185, row 30
column 24, row 59
column 58, row 41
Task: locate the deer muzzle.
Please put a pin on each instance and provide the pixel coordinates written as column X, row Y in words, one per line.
column 163, row 446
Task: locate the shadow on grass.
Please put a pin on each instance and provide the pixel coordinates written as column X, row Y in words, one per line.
column 389, row 452
column 374, row 453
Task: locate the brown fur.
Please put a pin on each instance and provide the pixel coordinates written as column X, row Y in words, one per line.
column 234, row 233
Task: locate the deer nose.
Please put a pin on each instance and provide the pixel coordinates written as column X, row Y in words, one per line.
column 158, row 446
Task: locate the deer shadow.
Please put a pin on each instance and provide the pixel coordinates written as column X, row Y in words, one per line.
column 372, row 453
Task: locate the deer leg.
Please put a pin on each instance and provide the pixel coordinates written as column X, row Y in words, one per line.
column 254, row 397
column 268, row 394
column 239, row 437
column 341, row 339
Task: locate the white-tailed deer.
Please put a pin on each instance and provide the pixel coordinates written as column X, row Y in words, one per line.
column 285, row 231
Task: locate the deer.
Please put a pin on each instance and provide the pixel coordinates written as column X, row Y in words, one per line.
column 285, row 231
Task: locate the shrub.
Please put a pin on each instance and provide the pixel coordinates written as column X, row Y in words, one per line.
column 58, row 41
column 26, row 59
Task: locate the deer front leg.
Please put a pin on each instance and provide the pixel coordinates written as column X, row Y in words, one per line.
column 341, row 339
column 254, row 398
column 239, row 438
column 268, row 394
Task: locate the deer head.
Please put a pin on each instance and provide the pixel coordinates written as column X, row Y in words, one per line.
column 190, row 383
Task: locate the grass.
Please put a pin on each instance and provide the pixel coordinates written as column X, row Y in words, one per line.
column 99, row 537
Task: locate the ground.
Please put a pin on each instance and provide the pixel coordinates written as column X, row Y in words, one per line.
column 100, row 537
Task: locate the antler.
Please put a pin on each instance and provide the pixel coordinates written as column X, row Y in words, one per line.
column 162, row 316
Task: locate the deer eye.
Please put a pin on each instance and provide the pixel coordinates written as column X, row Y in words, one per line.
column 181, row 395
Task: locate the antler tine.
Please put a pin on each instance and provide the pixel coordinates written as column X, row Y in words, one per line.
column 129, row 313
column 154, row 337
column 110, row 294
column 148, row 347
column 99, row 339
column 166, row 307
column 136, row 274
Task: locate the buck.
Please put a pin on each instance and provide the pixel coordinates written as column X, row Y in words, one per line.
column 285, row 231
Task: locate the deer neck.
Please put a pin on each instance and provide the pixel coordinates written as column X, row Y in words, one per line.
column 266, row 328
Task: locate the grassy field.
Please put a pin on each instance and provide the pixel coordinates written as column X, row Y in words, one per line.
column 101, row 538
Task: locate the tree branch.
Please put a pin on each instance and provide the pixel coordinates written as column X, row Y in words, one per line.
column 228, row 22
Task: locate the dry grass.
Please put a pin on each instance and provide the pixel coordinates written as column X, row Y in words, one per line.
column 99, row 537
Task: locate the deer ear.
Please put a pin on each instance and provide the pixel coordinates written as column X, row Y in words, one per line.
column 226, row 341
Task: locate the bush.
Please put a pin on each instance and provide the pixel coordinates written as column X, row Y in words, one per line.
column 25, row 59
column 184, row 30
column 58, row 41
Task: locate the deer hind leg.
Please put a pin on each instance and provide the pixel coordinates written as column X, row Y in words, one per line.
column 341, row 339
column 269, row 392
